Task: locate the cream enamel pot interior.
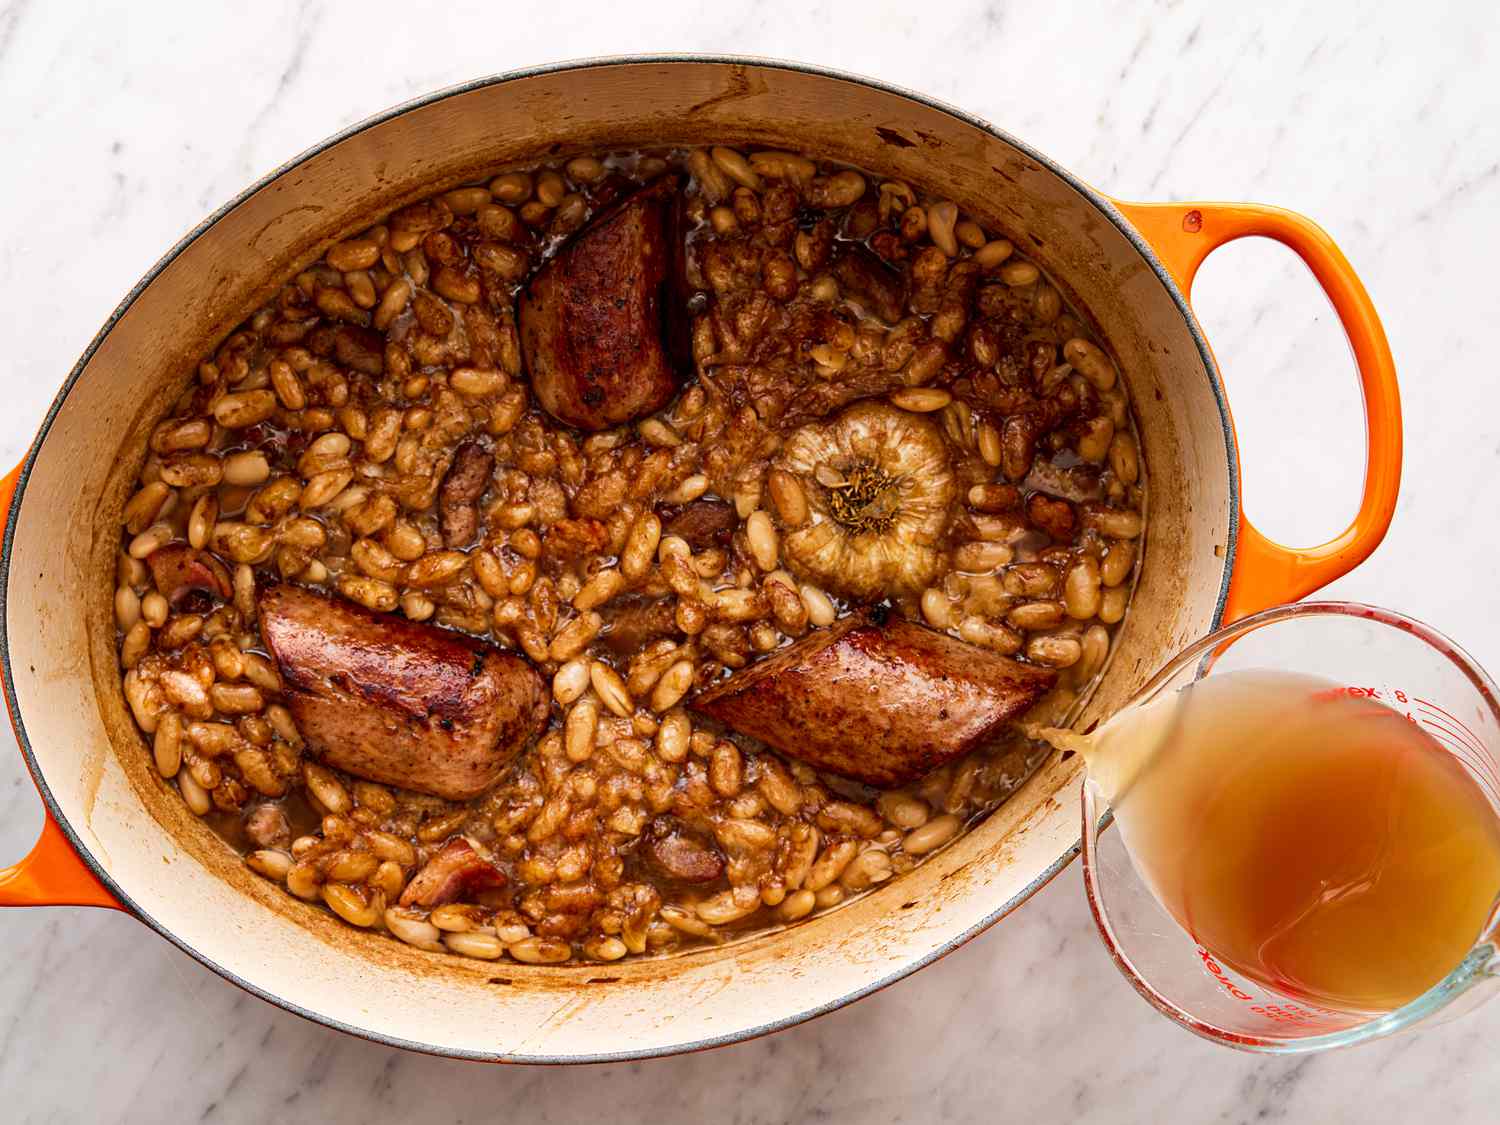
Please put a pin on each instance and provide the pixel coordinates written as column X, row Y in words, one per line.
column 116, row 835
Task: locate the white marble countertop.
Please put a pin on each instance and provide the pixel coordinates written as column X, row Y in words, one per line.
column 122, row 127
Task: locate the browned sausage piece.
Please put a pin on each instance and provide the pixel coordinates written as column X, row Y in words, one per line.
column 178, row 570
column 604, row 326
column 400, row 703
column 880, row 288
column 456, row 872
column 880, row 703
column 458, row 496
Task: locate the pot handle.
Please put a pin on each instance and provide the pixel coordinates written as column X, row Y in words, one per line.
column 52, row 875
column 1267, row 573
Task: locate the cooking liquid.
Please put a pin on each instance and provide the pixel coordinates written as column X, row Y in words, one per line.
column 1313, row 840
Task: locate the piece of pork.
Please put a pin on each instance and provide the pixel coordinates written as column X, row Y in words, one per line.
column 397, row 702
column 266, row 826
column 702, row 523
column 881, row 289
column 882, row 702
column 456, row 873
column 458, row 496
column 604, row 324
column 631, row 623
column 672, row 850
column 178, row 570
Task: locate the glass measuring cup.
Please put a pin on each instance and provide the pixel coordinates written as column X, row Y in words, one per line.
column 1391, row 659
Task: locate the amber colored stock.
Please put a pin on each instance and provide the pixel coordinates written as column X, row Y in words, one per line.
column 1310, row 838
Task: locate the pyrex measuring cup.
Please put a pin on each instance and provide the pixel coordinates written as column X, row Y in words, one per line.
column 1372, row 652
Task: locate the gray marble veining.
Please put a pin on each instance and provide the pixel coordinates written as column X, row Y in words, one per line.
column 122, row 127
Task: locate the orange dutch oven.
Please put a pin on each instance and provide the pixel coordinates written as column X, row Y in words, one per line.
column 116, row 836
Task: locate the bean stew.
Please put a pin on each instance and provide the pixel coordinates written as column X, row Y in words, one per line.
column 625, row 554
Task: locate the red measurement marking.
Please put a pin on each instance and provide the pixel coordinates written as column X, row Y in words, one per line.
column 1452, row 718
column 1477, row 765
column 1287, row 1013
column 1458, row 741
column 1471, row 743
column 1281, row 1013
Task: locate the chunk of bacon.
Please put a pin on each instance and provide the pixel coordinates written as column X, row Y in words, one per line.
column 178, row 570
column 456, row 872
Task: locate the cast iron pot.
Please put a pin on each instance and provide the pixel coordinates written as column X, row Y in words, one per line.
column 117, row 836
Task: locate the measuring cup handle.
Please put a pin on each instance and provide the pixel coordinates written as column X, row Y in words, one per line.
column 1267, row 573
column 52, row 874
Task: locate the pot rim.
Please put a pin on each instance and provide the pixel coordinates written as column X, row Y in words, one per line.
column 1102, row 202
